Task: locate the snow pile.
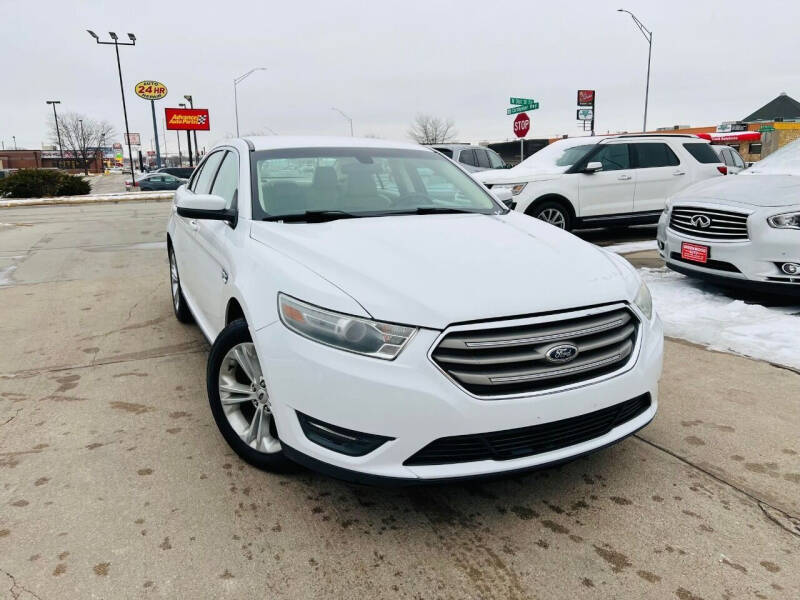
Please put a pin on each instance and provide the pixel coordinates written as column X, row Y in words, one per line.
column 696, row 312
column 629, row 247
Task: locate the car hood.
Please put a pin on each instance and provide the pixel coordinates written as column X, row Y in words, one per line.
column 435, row 270
column 754, row 190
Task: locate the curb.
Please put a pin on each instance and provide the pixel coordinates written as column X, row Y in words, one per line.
column 71, row 200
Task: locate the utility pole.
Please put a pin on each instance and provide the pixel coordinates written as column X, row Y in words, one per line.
column 58, row 133
column 648, row 35
column 13, row 137
column 188, row 139
column 196, row 147
column 117, row 44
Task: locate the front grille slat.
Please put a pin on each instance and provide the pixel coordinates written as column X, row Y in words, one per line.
column 528, row 441
column 722, row 224
column 513, row 359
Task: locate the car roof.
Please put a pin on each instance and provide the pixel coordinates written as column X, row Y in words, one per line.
column 275, row 142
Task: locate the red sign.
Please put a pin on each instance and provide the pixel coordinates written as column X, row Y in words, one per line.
column 585, row 97
column 694, row 252
column 522, row 125
column 742, row 136
column 188, row 118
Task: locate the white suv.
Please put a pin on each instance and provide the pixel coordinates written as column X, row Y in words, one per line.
column 609, row 180
column 376, row 314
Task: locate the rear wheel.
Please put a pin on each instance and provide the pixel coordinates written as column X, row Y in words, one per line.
column 239, row 399
column 553, row 212
column 182, row 312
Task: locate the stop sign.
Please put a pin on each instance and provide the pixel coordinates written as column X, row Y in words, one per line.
column 521, row 125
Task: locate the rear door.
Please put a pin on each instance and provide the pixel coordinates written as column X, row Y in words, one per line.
column 467, row 158
column 703, row 160
column 609, row 191
column 482, row 158
column 659, row 174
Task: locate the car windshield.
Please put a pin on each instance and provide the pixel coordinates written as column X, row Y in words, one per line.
column 557, row 157
column 785, row 161
column 361, row 182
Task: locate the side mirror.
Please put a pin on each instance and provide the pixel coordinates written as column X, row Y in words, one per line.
column 503, row 195
column 593, row 167
column 203, row 206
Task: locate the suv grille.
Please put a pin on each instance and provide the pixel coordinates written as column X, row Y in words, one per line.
column 709, row 223
column 527, row 441
column 514, row 360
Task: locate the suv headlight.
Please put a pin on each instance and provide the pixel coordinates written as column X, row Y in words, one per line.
column 354, row 334
column 516, row 188
column 644, row 300
column 785, row 221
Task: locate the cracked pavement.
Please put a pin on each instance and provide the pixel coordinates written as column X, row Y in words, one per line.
column 115, row 483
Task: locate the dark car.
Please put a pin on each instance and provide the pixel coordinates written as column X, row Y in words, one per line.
column 155, row 182
column 182, row 172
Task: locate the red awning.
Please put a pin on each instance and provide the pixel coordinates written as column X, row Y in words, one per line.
column 735, row 136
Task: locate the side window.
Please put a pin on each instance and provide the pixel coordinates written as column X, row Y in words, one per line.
column 203, row 179
column 650, row 155
column 738, row 160
column 494, row 160
column 613, row 156
column 467, row 157
column 227, row 181
column 483, row 158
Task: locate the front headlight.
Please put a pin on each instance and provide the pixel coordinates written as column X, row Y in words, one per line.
column 516, row 188
column 785, row 221
column 644, row 300
column 354, row 334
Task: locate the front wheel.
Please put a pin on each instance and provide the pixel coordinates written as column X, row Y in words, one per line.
column 182, row 312
column 554, row 213
column 240, row 401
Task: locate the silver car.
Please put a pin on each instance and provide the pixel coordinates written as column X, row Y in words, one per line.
column 472, row 158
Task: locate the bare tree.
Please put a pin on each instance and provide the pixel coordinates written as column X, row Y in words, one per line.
column 81, row 136
column 427, row 129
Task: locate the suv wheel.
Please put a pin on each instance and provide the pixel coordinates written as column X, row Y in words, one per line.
column 182, row 312
column 239, row 399
column 552, row 212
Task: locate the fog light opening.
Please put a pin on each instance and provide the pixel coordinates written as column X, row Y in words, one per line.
column 791, row 268
column 339, row 439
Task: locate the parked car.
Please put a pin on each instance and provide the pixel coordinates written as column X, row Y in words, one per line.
column 739, row 231
column 731, row 157
column 182, row 172
column 156, row 181
column 609, row 180
column 380, row 316
column 472, row 158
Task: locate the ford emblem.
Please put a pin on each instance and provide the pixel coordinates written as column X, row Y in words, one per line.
column 562, row 353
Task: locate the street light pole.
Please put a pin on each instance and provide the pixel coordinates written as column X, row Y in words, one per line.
column 188, row 139
column 117, row 44
column 648, row 35
column 346, row 117
column 13, row 137
column 196, row 147
column 236, row 82
column 58, row 133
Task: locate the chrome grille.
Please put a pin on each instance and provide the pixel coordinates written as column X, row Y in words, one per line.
column 514, row 360
column 721, row 224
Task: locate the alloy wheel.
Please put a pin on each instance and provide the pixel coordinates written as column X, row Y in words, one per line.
column 554, row 217
column 174, row 281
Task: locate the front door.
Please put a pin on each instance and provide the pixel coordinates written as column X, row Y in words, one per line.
column 609, row 191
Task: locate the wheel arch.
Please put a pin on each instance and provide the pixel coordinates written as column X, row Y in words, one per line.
column 552, row 198
column 233, row 311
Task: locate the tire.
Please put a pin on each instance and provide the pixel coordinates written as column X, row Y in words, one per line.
column 179, row 306
column 553, row 212
column 239, row 400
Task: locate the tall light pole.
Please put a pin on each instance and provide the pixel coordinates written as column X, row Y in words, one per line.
column 196, row 147
column 648, row 35
column 13, row 137
column 188, row 139
column 58, row 132
column 236, row 82
column 116, row 43
column 346, row 117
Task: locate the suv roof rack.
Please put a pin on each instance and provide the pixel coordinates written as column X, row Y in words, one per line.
column 665, row 134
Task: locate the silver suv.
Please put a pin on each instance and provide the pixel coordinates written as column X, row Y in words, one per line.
column 472, row 158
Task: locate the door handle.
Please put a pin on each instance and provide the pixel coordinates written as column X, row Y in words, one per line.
column 676, row 173
column 224, row 276
column 193, row 224
column 624, row 177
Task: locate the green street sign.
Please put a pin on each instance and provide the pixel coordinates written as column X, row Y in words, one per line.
column 521, row 101
column 765, row 128
column 518, row 109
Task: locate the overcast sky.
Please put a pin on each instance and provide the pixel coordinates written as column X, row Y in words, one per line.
column 382, row 62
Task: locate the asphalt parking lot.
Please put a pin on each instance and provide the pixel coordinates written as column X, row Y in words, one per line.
column 116, row 483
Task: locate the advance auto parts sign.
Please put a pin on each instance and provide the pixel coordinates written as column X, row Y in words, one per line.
column 151, row 90
column 188, row 118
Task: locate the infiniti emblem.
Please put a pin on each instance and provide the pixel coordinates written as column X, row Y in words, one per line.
column 701, row 221
column 561, row 353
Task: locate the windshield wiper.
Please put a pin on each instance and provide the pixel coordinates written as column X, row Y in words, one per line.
column 433, row 210
column 313, row 216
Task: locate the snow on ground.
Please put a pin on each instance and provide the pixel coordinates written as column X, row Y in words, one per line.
column 629, row 247
column 700, row 313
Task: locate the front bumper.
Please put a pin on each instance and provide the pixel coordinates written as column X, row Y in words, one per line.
column 410, row 400
column 752, row 263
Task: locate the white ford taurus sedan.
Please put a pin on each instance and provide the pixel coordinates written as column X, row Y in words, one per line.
column 739, row 231
column 378, row 315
